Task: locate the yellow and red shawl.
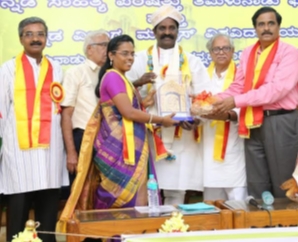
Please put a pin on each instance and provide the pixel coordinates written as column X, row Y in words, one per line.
column 257, row 68
column 33, row 104
column 222, row 127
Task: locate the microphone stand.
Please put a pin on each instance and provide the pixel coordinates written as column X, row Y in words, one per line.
column 260, row 207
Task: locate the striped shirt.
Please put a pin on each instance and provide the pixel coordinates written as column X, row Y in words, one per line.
column 35, row 169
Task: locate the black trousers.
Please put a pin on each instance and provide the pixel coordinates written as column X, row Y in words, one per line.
column 45, row 204
column 1, row 208
column 271, row 153
column 78, row 137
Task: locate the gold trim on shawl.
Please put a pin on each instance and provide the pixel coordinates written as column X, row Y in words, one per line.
column 82, row 182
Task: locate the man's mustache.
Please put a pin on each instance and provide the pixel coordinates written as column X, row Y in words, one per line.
column 266, row 32
column 167, row 36
column 35, row 43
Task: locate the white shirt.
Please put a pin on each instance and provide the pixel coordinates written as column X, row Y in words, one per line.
column 186, row 172
column 35, row 169
column 79, row 84
column 231, row 172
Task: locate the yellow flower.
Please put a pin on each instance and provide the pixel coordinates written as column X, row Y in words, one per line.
column 174, row 224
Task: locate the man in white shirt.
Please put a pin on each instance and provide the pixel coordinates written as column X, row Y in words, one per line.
column 182, row 170
column 80, row 101
column 32, row 166
column 224, row 162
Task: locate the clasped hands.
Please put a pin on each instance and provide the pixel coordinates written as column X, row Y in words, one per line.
column 220, row 109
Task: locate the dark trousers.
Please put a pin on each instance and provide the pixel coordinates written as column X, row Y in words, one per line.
column 271, row 153
column 78, row 137
column 1, row 208
column 45, row 204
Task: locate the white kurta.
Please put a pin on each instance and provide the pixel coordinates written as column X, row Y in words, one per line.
column 231, row 172
column 186, row 172
column 30, row 170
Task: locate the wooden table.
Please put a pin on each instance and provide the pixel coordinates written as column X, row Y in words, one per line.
column 113, row 222
column 283, row 213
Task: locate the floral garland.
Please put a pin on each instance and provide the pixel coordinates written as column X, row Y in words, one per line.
column 165, row 67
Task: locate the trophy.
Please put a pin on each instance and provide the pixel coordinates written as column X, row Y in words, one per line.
column 173, row 96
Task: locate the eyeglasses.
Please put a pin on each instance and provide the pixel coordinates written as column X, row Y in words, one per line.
column 103, row 44
column 225, row 49
column 125, row 53
column 30, row 34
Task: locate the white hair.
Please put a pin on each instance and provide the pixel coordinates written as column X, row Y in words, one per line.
column 90, row 38
column 214, row 37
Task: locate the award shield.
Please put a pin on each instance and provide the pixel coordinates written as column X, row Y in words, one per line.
column 173, row 97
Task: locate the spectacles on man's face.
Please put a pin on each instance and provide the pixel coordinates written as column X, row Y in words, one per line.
column 103, row 44
column 225, row 49
column 30, row 34
column 125, row 53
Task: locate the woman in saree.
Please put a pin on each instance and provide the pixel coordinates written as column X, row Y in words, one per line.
column 122, row 155
column 118, row 132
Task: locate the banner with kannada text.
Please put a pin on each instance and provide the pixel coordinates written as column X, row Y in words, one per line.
column 70, row 20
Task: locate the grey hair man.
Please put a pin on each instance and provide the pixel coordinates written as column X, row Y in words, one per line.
column 80, row 101
column 32, row 20
column 218, row 35
column 221, row 48
column 224, row 163
column 32, row 167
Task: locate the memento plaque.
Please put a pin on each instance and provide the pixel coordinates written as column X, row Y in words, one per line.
column 173, row 97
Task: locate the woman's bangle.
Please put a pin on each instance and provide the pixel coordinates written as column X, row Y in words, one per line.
column 150, row 119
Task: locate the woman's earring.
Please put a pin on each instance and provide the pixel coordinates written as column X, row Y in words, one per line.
column 111, row 62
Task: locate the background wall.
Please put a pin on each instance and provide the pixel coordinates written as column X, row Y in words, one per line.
column 70, row 20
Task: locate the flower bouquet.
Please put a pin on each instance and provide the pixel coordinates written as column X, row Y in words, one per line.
column 202, row 104
column 174, row 224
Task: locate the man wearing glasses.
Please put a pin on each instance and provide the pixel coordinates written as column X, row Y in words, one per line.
column 80, row 101
column 224, row 163
column 32, row 167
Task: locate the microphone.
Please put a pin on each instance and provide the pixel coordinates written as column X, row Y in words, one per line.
column 252, row 201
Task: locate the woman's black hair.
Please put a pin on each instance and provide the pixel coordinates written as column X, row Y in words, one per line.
column 112, row 47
